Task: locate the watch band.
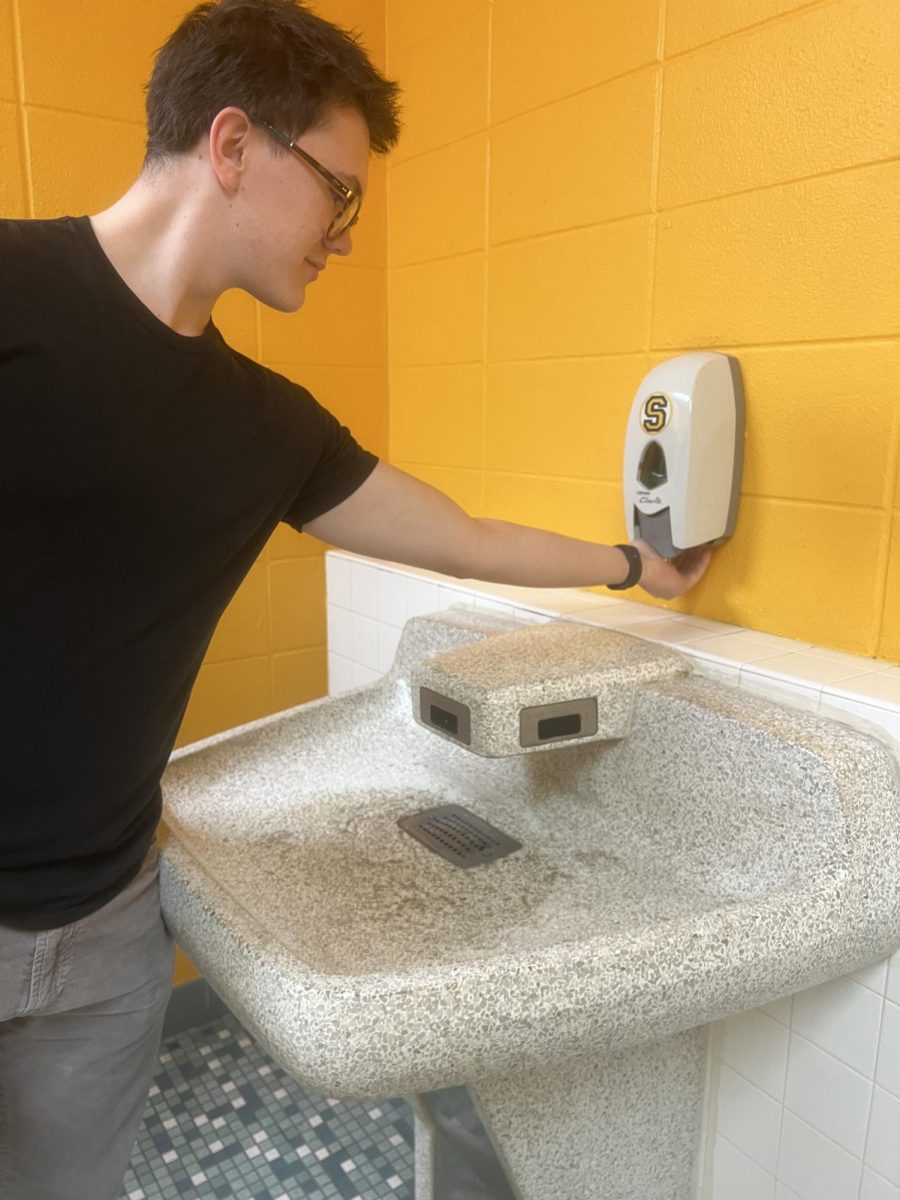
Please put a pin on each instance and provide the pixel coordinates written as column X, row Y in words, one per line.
column 635, row 566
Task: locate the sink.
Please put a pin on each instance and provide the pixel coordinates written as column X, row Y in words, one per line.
column 729, row 850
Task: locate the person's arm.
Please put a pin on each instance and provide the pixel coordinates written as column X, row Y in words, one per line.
column 396, row 517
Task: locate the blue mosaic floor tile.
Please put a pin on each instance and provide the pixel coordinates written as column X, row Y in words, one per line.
column 224, row 1122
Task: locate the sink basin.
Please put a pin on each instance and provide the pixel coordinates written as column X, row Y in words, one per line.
column 728, row 851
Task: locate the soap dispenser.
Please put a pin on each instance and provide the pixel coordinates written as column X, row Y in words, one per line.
column 684, row 453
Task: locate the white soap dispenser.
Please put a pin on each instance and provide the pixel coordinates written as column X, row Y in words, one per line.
column 684, row 453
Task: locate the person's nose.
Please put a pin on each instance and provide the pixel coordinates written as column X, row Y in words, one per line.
column 342, row 244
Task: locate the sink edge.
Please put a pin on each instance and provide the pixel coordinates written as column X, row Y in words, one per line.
column 376, row 1037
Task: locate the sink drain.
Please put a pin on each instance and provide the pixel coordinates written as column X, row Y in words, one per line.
column 458, row 835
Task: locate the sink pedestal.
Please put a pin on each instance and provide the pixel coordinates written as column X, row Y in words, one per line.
column 623, row 1126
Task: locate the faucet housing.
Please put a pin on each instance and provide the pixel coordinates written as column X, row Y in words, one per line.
column 543, row 686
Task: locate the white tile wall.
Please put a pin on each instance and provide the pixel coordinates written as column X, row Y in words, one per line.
column 805, row 1096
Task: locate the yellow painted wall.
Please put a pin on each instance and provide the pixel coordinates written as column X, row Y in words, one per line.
column 582, row 189
column 588, row 187
column 71, row 141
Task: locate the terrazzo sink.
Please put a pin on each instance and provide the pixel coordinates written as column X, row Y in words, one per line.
column 724, row 852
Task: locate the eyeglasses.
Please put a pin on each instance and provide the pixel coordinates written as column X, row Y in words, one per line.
column 350, row 201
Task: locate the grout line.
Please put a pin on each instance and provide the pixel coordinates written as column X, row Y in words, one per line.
column 269, row 623
column 652, row 212
column 485, row 353
column 780, row 18
column 90, row 116
column 435, row 34
column 704, row 1173
column 644, row 66
column 826, row 1137
column 299, row 650
column 294, row 365
column 872, row 1091
column 245, row 658
column 798, row 501
column 830, row 173
column 749, row 1157
column 777, row 19
column 389, row 268
column 876, row 339
column 655, row 170
column 22, row 121
column 885, row 555
column 783, row 1097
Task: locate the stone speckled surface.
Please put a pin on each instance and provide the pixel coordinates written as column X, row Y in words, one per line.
column 625, row 1125
column 541, row 665
column 728, row 851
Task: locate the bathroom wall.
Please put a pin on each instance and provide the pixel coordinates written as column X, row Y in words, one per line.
column 71, row 141
column 805, row 1092
column 585, row 189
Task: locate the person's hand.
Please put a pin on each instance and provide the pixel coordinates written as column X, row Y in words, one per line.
column 667, row 578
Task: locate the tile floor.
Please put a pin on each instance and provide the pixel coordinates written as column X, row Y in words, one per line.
column 225, row 1121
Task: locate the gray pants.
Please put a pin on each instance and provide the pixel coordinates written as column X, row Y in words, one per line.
column 81, row 1013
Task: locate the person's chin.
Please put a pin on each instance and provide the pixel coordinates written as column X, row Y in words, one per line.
column 288, row 301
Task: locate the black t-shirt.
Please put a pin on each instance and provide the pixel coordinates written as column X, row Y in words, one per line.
column 141, row 473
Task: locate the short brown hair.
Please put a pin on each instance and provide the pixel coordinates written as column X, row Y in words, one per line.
column 275, row 59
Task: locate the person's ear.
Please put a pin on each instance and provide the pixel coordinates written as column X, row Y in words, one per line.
column 229, row 135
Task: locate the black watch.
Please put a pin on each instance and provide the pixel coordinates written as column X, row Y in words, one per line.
column 635, row 566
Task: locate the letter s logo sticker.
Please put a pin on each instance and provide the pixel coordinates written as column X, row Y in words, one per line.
column 655, row 413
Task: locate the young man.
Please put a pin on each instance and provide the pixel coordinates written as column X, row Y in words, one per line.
column 143, row 466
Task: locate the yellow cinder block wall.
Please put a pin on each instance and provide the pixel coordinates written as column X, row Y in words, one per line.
column 580, row 191
column 71, row 141
column 584, row 189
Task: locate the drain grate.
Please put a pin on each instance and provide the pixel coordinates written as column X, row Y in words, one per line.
column 458, row 835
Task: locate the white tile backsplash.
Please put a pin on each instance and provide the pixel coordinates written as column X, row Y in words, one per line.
column 339, row 580
column 785, row 1193
column 874, row 1187
column 489, row 604
column 855, row 711
column 749, row 1118
column 622, row 616
column 805, row 1097
column 828, row 1095
column 813, row 1166
column 883, row 1147
column 364, row 590
column 341, row 674
column 777, row 688
column 893, row 979
column 887, row 1072
column 422, row 596
column 712, row 668
column 756, row 1046
column 364, row 641
column 737, row 648
column 340, row 630
column 736, row 1176
column 392, row 605
column 388, row 641
column 874, row 976
column 780, row 1010
column 712, row 627
column 673, row 631
column 843, row 1018
column 450, row 597
column 882, row 687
